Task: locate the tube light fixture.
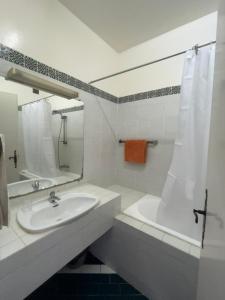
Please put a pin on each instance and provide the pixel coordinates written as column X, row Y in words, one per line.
column 36, row 82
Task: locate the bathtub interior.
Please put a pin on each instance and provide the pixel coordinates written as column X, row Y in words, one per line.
column 143, row 207
column 148, row 207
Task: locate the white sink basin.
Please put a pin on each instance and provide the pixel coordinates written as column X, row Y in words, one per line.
column 42, row 215
column 25, row 186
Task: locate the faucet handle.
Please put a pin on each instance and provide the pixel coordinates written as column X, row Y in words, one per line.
column 52, row 194
column 35, row 185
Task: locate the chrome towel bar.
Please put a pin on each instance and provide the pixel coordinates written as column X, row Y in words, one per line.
column 153, row 142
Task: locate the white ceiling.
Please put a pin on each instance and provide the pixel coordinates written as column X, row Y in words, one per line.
column 127, row 23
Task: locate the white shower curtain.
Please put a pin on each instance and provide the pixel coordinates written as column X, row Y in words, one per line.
column 185, row 185
column 38, row 139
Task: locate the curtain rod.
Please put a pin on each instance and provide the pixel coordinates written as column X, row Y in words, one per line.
column 151, row 62
column 43, row 98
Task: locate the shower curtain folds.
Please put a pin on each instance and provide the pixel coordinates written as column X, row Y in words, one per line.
column 38, row 139
column 185, row 185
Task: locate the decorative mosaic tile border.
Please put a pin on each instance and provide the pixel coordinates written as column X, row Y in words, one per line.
column 27, row 62
column 150, row 94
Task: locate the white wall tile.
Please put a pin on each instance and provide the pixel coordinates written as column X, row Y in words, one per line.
column 6, row 236
column 106, row 270
column 195, row 251
column 128, row 196
column 11, row 248
column 147, row 119
column 152, row 231
column 99, row 140
column 91, row 269
column 176, row 243
column 132, row 222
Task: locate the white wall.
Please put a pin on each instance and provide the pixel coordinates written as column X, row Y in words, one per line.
column 166, row 73
column 100, row 142
column 147, row 119
column 48, row 32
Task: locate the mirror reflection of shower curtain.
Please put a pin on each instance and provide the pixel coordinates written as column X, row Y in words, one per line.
column 185, row 185
column 38, row 139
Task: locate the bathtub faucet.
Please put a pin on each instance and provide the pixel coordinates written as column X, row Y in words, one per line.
column 36, row 185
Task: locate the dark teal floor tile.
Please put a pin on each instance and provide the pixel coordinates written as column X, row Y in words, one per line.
column 87, row 289
column 99, row 278
column 87, row 278
column 86, row 286
column 114, row 278
column 109, row 289
column 127, row 289
column 92, row 260
column 125, row 297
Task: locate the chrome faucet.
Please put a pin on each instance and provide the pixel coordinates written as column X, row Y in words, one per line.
column 36, row 185
column 53, row 199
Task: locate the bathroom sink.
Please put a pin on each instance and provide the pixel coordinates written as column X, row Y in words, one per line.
column 26, row 186
column 42, row 215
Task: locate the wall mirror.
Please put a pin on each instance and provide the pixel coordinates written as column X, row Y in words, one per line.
column 43, row 136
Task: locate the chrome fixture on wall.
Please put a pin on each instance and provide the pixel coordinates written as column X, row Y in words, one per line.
column 14, row 158
column 63, row 127
column 64, row 121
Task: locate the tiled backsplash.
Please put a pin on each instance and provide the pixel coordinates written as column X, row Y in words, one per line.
column 27, row 62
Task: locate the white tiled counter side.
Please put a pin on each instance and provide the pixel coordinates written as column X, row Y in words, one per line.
column 159, row 266
column 27, row 260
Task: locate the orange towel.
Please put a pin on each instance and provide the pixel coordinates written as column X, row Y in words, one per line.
column 135, row 151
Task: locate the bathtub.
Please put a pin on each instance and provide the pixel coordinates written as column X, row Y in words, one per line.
column 145, row 210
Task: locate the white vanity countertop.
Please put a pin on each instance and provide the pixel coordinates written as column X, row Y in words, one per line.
column 14, row 238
